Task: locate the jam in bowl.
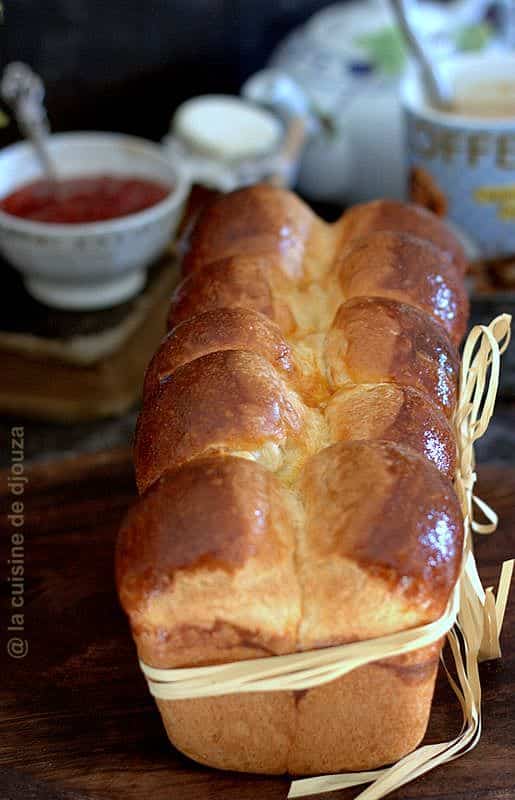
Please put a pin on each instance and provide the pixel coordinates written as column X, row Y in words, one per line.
column 89, row 198
column 87, row 242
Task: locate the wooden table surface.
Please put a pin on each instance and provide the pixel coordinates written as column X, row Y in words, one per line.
column 76, row 720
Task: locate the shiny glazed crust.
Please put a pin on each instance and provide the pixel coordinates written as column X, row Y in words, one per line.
column 294, row 456
column 391, row 215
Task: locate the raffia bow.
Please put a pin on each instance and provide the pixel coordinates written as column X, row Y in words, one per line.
column 472, row 620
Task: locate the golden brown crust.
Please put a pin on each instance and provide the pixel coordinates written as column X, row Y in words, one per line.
column 392, row 215
column 215, row 331
column 375, row 340
column 382, row 539
column 382, row 264
column 215, row 530
column 229, row 400
column 234, row 282
column 260, row 221
column 374, row 529
column 393, row 413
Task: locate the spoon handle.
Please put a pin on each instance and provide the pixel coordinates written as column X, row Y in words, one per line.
column 437, row 89
column 24, row 92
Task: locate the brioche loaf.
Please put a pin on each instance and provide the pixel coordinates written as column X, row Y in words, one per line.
column 294, row 456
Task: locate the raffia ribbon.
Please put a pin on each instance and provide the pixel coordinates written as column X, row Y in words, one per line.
column 472, row 620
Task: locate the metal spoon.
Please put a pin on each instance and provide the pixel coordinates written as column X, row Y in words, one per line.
column 24, row 92
column 438, row 90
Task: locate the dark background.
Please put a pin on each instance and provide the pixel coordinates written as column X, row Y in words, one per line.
column 126, row 64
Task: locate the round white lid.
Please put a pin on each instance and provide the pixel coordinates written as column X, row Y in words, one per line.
column 226, row 127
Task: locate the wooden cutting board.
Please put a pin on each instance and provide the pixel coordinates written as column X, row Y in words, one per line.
column 76, row 720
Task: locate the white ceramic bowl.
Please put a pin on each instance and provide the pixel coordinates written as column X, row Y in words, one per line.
column 97, row 264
